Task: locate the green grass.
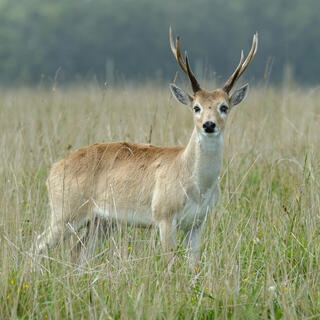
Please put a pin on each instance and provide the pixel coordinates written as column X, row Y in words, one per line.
column 260, row 248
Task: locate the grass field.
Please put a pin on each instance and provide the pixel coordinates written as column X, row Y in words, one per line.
column 260, row 249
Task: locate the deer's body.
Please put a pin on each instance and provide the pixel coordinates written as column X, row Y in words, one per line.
column 136, row 184
column 169, row 187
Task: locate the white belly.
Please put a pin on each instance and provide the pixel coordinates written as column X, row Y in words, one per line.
column 141, row 217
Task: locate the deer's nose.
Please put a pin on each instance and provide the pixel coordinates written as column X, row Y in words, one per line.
column 209, row 126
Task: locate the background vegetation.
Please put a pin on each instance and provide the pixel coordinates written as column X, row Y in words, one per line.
column 128, row 39
column 260, row 247
column 260, row 250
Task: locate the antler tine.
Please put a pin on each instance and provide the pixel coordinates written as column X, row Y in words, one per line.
column 242, row 65
column 194, row 83
column 179, row 56
column 229, row 84
column 176, row 51
column 251, row 54
column 184, row 65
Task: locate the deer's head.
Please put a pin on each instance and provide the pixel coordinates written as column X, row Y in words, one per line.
column 211, row 108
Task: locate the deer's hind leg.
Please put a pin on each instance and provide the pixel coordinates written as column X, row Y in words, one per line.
column 92, row 235
column 63, row 222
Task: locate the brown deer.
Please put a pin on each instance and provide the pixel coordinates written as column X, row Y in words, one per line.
column 173, row 188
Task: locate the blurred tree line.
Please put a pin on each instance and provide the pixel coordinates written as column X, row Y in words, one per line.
column 128, row 39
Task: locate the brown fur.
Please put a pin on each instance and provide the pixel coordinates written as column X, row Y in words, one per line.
column 91, row 172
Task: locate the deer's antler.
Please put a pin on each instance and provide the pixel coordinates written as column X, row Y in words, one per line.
column 184, row 65
column 242, row 66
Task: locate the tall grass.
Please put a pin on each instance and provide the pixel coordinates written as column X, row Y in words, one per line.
column 260, row 248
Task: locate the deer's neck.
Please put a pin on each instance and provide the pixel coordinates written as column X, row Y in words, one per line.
column 203, row 158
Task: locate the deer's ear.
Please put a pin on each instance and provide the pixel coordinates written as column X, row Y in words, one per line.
column 180, row 95
column 239, row 95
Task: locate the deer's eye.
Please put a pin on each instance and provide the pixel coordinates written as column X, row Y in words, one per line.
column 196, row 109
column 224, row 109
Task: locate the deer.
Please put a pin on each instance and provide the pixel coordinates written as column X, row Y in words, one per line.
column 172, row 188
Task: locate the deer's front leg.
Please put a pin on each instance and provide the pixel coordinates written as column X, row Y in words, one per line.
column 168, row 233
column 193, row 244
